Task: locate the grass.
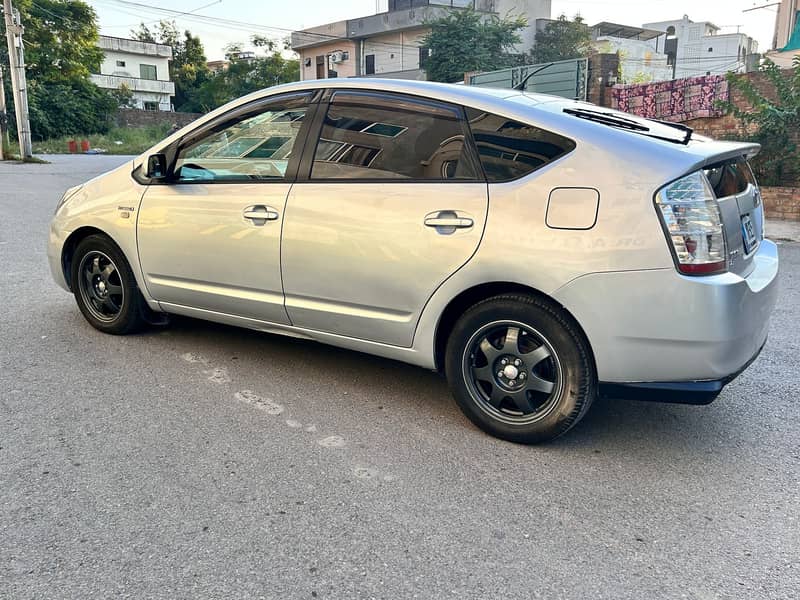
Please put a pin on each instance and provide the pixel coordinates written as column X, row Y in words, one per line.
column 131, row 141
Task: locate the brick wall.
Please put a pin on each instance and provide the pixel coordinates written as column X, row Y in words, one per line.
column 781, row 202
column 134, row 117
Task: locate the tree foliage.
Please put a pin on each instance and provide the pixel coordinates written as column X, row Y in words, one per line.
column 464, row 41
column 187, row 68
column 776, row 119
column 243, row 76
column 60, row 52
column 197, row 89
column 562, row 39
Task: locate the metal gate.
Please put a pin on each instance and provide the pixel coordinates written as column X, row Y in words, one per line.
column 566, row 78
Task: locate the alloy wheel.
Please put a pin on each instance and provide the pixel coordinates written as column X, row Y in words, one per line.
column 513, row 372
column 101, row 286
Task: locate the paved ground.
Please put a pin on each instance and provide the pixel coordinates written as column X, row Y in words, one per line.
column 203, row 461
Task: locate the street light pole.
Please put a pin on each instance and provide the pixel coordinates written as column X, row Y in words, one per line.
column 19, row 87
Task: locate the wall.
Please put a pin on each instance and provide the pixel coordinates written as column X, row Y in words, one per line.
column 346, row 68
column 532, row 10
column 395, row 51
column 781, row 203
column 132, row 64
column 132, row 118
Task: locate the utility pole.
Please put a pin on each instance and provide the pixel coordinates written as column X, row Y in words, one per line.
column 3, row 116
column 16, row 55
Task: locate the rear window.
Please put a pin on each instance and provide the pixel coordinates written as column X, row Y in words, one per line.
column 730, row 178
column 509, row 149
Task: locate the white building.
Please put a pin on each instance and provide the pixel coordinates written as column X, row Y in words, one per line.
column 142, row 67
column 699, row 48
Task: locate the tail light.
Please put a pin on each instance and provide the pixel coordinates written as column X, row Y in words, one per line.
column 691, row 217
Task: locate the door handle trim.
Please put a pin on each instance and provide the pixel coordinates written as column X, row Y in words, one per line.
column 457, row 222
column 260, row 213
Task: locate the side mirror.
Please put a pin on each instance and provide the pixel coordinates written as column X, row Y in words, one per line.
column 156, row 166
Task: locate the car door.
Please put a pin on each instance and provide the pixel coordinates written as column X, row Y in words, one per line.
column 390, row 201
column 209, row 237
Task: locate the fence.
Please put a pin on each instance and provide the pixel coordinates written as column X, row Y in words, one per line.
column 566, row 78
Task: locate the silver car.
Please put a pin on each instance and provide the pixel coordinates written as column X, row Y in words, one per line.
column 536, row 250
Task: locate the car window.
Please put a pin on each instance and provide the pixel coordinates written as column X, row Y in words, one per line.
column 509, row 149
column 730, row 178
column 391, row 137
column 256, row 147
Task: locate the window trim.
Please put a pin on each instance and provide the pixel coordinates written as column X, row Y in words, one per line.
column 239, row 114
column 315, row 136
column 155, row 72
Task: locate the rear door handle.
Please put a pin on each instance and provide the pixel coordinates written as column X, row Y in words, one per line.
column 260, row 214
column 447, row 221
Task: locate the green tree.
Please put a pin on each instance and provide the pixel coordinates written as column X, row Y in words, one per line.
column 244, row 76
column 60, row 52
column 466, row 41
column 562, row 39
column 776, row 119
column 187, row 68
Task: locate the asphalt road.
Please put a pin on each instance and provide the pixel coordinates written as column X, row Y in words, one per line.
column 202, row 461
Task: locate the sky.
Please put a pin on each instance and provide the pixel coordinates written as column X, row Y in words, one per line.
column 275, row 19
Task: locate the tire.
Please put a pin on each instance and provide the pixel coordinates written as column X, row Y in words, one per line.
column 520, row 369
column 105, row 288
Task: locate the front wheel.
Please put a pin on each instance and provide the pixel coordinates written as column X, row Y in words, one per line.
column 520, row 369
column 105, row 288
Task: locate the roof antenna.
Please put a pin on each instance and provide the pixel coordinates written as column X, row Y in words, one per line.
column 521, row 85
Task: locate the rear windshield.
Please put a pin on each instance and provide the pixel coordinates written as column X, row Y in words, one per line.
column 730, row 178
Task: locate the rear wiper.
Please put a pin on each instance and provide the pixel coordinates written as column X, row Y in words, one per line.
column 606, row 119
column 614, row 120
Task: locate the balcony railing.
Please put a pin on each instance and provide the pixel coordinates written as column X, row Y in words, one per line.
column 114, row 82
column 115, row 44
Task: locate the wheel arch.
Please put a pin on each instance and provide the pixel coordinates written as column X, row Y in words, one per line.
column 71, row 243
column 472, row 295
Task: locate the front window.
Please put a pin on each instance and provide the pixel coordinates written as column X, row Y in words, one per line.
column 255, row 147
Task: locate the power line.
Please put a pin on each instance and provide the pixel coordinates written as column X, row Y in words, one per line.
column 243, row 26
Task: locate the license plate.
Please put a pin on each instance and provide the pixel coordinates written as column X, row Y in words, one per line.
column 748, row 234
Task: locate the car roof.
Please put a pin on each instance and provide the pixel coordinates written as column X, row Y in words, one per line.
column 431, row 89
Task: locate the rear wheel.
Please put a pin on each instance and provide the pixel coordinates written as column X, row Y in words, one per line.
column 105, row 288
column 520, row 369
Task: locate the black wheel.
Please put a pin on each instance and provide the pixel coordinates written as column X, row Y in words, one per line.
column 520, row 369
column 104, row 287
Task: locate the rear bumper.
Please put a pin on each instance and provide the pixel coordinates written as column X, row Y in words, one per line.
column 681, row 332
column 676, row 392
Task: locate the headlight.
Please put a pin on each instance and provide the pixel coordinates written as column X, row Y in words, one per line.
column 67, row 195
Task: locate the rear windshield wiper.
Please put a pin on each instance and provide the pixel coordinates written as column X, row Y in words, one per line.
column 614, row 120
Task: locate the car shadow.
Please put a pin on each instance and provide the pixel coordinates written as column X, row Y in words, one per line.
column 610, row 423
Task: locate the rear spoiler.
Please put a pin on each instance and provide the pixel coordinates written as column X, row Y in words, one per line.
column 723, row 151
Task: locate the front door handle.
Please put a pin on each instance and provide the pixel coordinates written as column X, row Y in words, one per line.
column 447, row 221
column 260, row 214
